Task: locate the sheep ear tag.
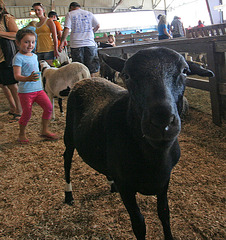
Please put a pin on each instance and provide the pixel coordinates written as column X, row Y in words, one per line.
column 114, row 62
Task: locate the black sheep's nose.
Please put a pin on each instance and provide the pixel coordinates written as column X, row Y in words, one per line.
column 164, row 123
column 172, row 120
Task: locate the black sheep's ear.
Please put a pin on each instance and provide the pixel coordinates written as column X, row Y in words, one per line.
column 196, row 68
column 180, row 104
column 114, row 62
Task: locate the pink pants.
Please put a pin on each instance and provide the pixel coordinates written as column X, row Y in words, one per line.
column 27, row 100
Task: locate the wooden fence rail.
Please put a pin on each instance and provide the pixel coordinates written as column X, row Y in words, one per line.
column 212, row 30
column 131, row 38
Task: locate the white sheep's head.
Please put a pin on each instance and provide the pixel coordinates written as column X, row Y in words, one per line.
column 44, row 65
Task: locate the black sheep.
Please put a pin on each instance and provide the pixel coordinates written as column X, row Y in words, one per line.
column 130, row 135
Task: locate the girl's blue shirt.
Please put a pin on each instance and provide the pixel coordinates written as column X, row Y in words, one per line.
column 28, row 64
column 161, row 28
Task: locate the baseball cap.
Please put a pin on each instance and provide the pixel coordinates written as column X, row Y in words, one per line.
column 52, row 13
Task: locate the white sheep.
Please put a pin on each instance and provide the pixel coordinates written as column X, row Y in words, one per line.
column 59, row 81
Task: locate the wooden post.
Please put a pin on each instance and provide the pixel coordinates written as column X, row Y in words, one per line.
column 53, row 5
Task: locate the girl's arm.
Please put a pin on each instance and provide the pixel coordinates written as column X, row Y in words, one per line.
column 63, row 38
column 17, row 75
column 166, row 32
column 12, row 27
column 52, row 27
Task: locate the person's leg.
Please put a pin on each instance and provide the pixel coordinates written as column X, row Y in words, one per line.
column 10, row 99
column 43, row 100
column 77, row 54
column 91, row 60
column 45, row 127
column 22, row 134
column 8, row 80
column 27, row 100
column 13, row 88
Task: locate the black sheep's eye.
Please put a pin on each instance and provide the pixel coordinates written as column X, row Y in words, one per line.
column 185, row 70
column 125, row 76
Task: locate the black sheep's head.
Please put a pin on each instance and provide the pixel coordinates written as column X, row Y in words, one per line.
column 155, row 79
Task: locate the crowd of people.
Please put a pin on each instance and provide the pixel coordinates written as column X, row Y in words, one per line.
column 174, row 30
column 43, row 40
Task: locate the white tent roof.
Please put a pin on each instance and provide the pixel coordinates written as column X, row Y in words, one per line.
column 22, row 8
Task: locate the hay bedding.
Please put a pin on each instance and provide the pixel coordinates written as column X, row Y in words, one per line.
column 32, row 187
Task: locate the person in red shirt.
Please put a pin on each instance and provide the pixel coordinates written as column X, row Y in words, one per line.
column 200, row 24
column 53, row 15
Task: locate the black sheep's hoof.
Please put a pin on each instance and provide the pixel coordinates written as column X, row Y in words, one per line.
column 69, row 198
column 113, row 188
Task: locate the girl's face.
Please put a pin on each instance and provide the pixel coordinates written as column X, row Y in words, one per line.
column 27, row 44
column 110, row 39
column 39, row 11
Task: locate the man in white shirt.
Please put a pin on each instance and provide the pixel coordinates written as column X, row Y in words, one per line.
column 83, row 24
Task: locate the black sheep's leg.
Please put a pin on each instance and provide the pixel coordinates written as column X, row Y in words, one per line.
column 60, row 106
column 163, row 213
column 68, row 154
column 137, row 219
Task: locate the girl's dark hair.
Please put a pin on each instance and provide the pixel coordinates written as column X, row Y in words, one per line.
column 23, row 32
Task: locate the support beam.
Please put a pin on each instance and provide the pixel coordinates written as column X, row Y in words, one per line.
column 116, row 6
column 216, row 17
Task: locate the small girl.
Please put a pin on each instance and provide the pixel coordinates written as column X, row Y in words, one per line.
column 111, row 40
column 30, row 90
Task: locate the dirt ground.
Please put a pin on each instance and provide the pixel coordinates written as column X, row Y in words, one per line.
column 32, row 185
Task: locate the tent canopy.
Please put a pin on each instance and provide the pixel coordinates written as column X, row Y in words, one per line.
column 22, row 8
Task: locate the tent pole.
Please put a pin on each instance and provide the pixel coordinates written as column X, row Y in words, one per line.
column 208, row 7
column 165, row 7
column 53, row 5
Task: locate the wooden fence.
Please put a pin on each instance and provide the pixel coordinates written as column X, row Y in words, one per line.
column 212, row 30
column 213, row 47
column 131, row 38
